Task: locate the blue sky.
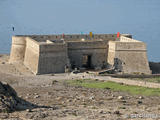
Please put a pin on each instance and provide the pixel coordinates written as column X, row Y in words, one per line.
column 141, row 18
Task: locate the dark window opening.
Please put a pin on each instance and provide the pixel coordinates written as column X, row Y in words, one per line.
column 86, row 61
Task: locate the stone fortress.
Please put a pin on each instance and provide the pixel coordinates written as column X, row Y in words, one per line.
column 44, row 54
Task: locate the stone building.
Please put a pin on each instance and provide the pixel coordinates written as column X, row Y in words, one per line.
column 44, row 54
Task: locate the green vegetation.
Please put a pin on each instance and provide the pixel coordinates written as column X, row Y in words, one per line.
column 88, row 83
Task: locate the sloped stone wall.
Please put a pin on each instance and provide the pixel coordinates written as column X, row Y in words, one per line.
column 31, row 59
column 17, row 49
column 133, row 56
column 52, row 58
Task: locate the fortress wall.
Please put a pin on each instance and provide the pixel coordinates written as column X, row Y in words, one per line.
column 97, row 51
column 134, row 61
column 17, row 49
column 87, row 44
column 53, row 58
column 133, row 56
column 111, row 52
column 74, row 37
column 130, row 46
column 31, row 59
column 98, row 57
column 52, row 47
column 43, row 56
column 87, row 36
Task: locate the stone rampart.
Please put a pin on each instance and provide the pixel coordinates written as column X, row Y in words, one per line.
column 57, row 47
column 132, row 55
column 111, row 52
column 99, row 44
column 17, row 49
column 52, row 58
column 97, row 50
column 31, row 59
column 73, row 37
column 134, row 46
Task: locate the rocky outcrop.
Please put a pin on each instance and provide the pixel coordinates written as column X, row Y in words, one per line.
column 9, row 101
column 8, row 98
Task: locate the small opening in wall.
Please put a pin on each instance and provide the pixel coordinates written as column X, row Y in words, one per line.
column 86, row 61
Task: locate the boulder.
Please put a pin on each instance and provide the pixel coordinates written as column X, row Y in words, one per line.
column 9, row 100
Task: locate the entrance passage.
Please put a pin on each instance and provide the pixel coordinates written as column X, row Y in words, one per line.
column 86, row 61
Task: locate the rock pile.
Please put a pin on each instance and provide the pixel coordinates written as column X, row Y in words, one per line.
column 8, row 98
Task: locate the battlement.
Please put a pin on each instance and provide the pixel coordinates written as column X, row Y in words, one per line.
column 73, row 37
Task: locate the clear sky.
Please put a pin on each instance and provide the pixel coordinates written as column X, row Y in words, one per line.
column 141, row 18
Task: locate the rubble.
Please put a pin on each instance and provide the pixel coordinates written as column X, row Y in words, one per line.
column 9, row 101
